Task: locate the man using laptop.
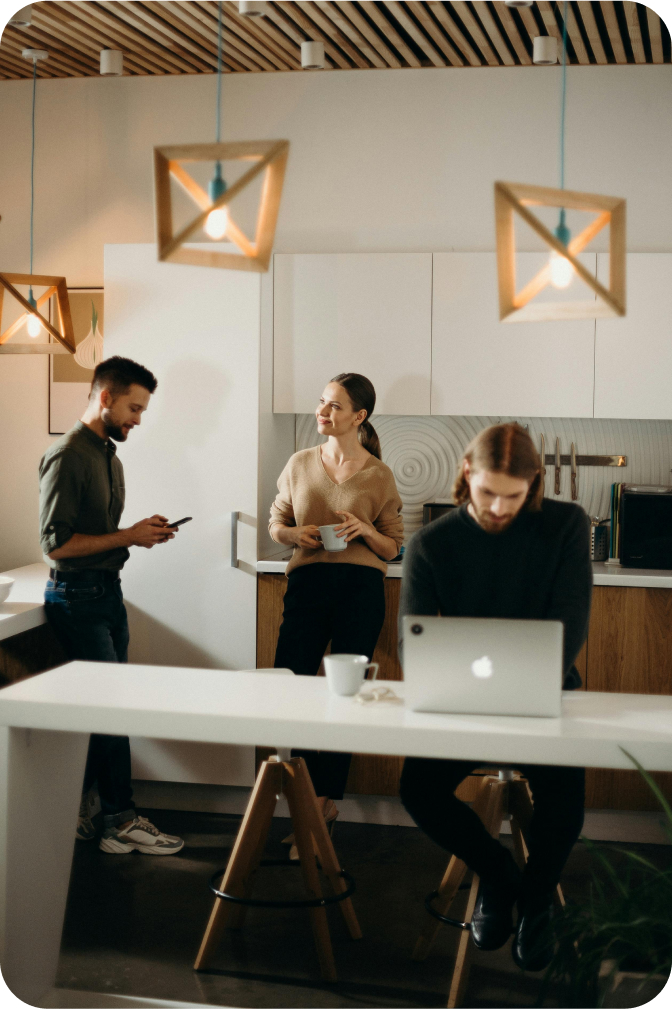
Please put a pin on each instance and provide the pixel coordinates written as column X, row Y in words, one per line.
column 505, row 552
column 81, row 501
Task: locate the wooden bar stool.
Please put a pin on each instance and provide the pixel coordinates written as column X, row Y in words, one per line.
column 291, row 778
column 502, row 797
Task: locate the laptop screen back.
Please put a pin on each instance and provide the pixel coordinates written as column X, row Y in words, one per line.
column 469, row 665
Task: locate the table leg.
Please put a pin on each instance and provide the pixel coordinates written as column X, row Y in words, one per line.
column 41, row 774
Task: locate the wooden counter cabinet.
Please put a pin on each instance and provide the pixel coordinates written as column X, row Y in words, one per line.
column 28, row 653
column 629, row 650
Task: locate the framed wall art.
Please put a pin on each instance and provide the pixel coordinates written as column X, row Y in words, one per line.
column 70, row 375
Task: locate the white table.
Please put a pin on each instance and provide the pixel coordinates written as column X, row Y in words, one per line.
column 45, row 722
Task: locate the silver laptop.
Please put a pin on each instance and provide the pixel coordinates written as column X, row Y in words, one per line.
column 467, row 665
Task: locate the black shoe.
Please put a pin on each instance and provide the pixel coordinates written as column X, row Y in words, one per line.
column 492, row 920
column 532, row 948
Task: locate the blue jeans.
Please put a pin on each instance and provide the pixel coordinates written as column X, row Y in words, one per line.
column 88, row 616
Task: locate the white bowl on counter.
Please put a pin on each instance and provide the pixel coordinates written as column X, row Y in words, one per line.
column 5, row 587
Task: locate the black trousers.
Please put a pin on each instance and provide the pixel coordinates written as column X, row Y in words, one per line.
column 341, row 603
column 558, row 793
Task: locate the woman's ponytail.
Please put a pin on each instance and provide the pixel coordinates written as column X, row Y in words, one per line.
column 369, row 439
column 363, row 397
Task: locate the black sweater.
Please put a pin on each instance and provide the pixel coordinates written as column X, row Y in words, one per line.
column 537, row 569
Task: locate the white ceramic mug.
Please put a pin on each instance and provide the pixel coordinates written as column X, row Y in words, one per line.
column 346, row 673
column 330, row 541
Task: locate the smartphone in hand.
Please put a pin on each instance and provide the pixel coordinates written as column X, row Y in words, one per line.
column 180, row 522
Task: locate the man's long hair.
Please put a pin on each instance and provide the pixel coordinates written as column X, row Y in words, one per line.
column 503, row 448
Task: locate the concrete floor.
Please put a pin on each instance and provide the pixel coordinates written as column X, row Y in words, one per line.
column 134, row 924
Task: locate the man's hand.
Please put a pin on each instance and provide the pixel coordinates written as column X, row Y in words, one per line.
column 307, row 536
column 351, row 527
column 148, row 532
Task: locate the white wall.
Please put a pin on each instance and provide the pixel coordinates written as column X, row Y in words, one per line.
column 380, row 161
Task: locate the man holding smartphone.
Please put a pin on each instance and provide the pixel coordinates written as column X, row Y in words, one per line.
column 81, row 501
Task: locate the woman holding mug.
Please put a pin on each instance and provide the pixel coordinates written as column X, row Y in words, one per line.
column 335, row 595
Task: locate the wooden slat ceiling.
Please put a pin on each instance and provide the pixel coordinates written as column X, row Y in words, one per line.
column 180, row 36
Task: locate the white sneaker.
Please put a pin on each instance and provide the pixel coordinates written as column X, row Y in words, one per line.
column 85, row 830
column 142, row 836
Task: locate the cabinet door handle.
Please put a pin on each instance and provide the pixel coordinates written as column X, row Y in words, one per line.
column 234, row 539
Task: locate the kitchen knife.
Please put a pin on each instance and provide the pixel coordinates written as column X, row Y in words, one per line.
column 575, row 493
column 557, row 465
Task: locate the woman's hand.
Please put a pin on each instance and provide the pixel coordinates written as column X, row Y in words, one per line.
column 307, row 537
column 351, row 527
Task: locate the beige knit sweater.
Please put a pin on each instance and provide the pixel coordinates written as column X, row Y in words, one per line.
column 308, row 496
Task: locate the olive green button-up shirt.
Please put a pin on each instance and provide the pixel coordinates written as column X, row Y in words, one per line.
column 81, row 491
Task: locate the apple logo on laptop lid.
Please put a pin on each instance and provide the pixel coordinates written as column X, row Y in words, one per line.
column 482, row 668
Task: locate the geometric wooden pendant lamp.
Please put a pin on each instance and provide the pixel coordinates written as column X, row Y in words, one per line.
column 516, row 306
column 268, row 155
column 515, row 198
column 55, row 286
column 32, row 317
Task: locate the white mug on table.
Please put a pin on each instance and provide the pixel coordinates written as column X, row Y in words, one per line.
column 346, row 673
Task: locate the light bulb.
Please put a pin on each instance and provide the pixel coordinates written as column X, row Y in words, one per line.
column 562, row 270
column 34, row 326
column 217, row 222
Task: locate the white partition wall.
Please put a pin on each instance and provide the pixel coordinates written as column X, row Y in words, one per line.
column 195, row 453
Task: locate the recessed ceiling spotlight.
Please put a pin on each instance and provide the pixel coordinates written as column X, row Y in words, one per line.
column 22, row 18
column 111, row 63
column 252, row 8
column 312, row 55
column 545, row 50
column 518, row 3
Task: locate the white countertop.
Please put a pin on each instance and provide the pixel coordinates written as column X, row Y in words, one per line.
column 277, row 565
column 603, row 574
column 267, row 707
column 641, row 578
column 24, row 608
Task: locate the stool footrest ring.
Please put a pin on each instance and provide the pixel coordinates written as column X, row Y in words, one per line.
column 315, row 902
column 455, row 922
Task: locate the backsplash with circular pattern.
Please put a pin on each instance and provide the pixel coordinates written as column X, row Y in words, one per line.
column 424, row 453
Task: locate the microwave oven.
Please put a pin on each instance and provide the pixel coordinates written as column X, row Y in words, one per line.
column 646, row 527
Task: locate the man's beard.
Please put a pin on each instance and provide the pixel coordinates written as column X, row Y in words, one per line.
column 113, row 431
column 485, row 521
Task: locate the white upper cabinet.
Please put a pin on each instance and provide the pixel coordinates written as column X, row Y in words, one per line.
column 363, row 312
column 483, row 367
column 633, row 355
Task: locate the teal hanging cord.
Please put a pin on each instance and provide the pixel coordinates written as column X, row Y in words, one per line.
column 217, row 185
column 31, row 299
column 563, row 95
column 562, row 231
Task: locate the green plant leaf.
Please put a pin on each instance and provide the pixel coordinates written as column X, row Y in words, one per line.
column 94, row 318
column 652, row 785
